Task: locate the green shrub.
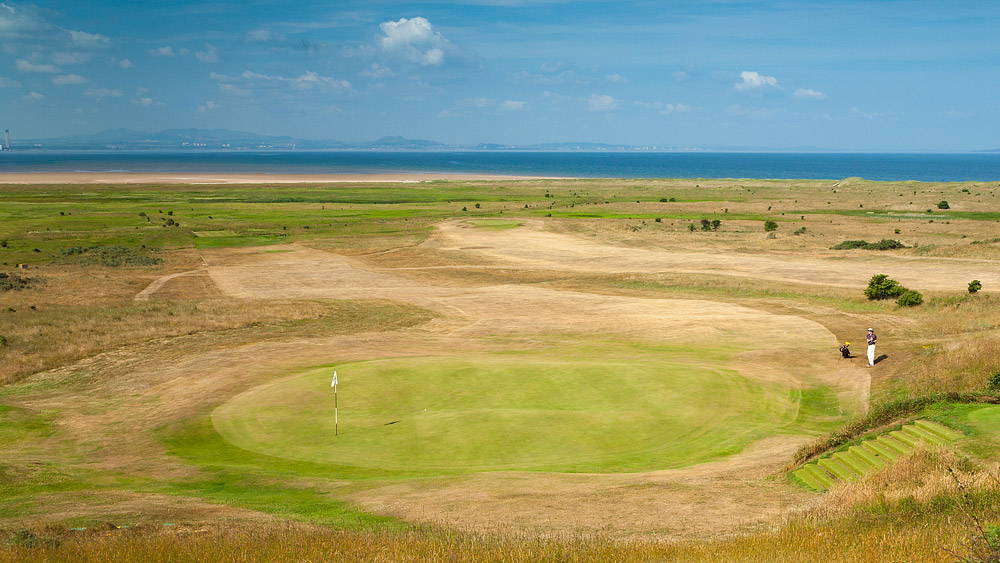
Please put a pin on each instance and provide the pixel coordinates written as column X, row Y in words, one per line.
column 706, row 225
column 943, row 205
column 910, row 298
column 884, row 244
column 3, row 340
column 994, row 383
column 975, row 286
column 691, row 227
column 881, row 286
column 770, row 225
column 716, row 224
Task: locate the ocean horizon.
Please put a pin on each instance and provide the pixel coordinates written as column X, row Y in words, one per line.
column 924, row 167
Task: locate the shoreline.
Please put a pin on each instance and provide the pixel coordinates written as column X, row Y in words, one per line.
column 37, row 178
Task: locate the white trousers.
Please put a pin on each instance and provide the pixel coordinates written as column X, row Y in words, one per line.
column 871, row 354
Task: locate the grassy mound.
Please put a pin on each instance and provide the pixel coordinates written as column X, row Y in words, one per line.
column 540, row 411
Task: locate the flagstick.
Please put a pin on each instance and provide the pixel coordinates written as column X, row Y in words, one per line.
column 336, row 417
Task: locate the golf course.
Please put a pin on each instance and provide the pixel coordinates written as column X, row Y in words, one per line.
column 526, row 369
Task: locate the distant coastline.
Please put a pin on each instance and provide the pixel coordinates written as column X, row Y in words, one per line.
column 959, row 167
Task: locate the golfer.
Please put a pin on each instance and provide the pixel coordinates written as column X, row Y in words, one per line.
column 872, row 339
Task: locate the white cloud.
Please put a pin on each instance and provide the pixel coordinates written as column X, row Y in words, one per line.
column 84, row 38
column 263, row 36
column 68, row 79
column 306, row 81
column 34, row 96
column 70, row 58
column 666, row 109
column 234, row 90
column 601, row 103
column 209, row 106
column 145, row 102
column 415, row 40
column 125, row 63
column 616, row 79
column 446, row 113
column 809, row 94
column 512, row 105
column 99, row 93
column 377, row 71
column 209, row 55
column 8, row 83
column 753, row 80
column 165, row 51
column 752, row 112
column 477, row 102
column 27, row 66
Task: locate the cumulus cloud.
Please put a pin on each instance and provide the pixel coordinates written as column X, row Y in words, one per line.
column 70, row 58
column 308, row 80
column 415, row 41
column 666, row 109
column 377, row 71
column 809, row 94
column 602, row 102
column 125, row 63
column 34, row 96
column 263, row 36
column 165, row 51
column 512, row 105
column 209, row 106
column 68, row 79
column 99, row 93
column 84, row 38
column 25, row 65
column 751, row 80
column 209, row 55
column 616, row 79
column 145, row 102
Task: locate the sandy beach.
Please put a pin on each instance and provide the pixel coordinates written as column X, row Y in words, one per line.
column 196, row 178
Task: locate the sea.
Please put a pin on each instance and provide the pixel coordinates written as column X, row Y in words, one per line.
column 952, row 167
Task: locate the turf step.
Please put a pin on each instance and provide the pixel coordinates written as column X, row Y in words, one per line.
column 905, row 438
column 872, row 454
column 898, row 447
column 809, row 479
column 839, row 470
column 881, row 451
column 853, row 462
column 924, row 435
column 937, row 429
column 869, row 458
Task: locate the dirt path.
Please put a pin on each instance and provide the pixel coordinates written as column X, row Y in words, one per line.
column 708, row 499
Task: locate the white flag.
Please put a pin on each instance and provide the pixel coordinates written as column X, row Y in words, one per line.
column 334, row 384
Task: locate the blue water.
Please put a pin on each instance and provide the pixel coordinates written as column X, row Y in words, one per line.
column 923, row 167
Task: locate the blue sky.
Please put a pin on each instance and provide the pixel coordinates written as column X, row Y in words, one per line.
column 875, row 75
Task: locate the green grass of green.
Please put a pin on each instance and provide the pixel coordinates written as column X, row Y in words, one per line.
column 602, row 408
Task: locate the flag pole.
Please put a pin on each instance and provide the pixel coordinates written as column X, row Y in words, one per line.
column 336, row 421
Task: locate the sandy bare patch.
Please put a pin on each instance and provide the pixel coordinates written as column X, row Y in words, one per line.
column 535, row 248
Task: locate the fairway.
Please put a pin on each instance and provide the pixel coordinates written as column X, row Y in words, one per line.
column 579, row 412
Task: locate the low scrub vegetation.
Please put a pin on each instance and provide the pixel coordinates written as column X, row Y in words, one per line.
column 11, row 282
column 110, row 256
column 884, row 244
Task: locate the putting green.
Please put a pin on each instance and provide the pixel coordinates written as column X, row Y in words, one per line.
column 615, row 412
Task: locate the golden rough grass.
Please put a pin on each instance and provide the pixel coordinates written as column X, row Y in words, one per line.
column 878, row 540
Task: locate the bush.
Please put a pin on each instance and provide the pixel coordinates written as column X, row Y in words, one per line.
column 884, row 244
column 910, row 298
column 943, row 205
column 716, row 224
column 111, row 256
column 11, row 282
column 706, row 225
column 3, row 340
column 975, row 286
column 770, row 225
column 882, row 286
